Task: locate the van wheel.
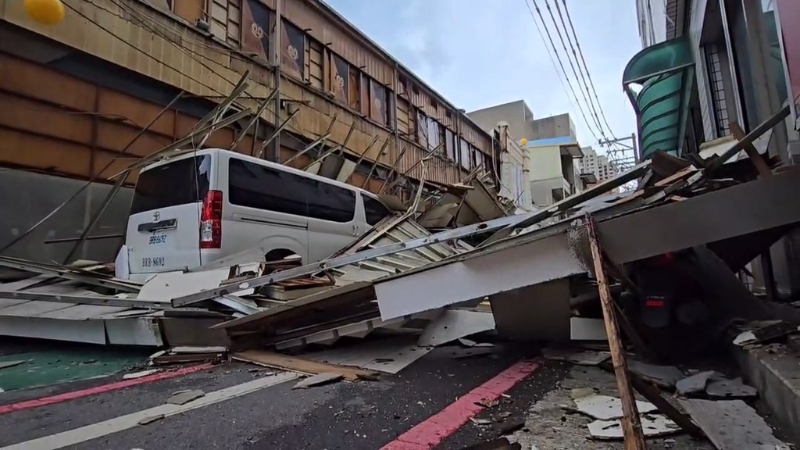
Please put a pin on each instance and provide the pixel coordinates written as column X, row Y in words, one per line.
column 278, row 254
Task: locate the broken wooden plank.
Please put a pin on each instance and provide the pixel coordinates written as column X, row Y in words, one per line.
column 749, row 138
column 653, row 395
column 318, row 380
column 732, row 424
column 758, row 161
column 286, row 362
column 631, row 423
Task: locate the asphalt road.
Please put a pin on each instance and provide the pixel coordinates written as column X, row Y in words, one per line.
column 363, row 415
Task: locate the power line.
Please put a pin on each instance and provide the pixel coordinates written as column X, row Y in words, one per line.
column 586, row 100
column 581, row 70
column 550, row 54
column 620, row 154
column 560, row 63
column 588, row 74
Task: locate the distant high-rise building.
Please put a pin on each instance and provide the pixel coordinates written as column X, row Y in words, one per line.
column 599, row 165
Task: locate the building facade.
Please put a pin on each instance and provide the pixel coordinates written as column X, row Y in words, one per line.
column 555, row 169
column 515, row 168
column 514, row 157
column 721, row 64
column 652, row 16
column 598, row 165
column 77, row 93
column 550, row 143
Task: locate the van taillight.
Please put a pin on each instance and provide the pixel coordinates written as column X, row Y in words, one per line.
column 211, row 220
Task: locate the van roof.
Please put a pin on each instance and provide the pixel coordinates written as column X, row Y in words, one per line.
column 207, row 151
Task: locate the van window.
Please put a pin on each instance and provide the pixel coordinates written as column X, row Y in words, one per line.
column 256, row 186
column 177, row 183
column 374, row 210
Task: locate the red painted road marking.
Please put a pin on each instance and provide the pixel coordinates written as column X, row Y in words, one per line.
column 100, row 389
column 436, row 428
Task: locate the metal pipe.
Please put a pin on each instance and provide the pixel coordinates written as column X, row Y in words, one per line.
column 276, row 134
column 254, row 120
column 321, row 140
column 276, row 151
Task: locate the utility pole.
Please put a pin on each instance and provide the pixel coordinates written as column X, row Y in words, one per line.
column 625, row 154
column 276, row 65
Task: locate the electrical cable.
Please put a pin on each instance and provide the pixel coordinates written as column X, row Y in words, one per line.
column 560, row 63
column 587, row 100
column 586, row 67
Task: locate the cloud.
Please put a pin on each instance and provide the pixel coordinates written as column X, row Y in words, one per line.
column 479, row 53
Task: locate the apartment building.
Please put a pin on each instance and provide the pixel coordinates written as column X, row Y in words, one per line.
column 708, row 64
column 555, row 169
column 551, row 145
column 598, row 165
column 521, row 122
column 513, row 152
column 78, row 92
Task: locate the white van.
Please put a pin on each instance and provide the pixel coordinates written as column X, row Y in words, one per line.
column 199, row 207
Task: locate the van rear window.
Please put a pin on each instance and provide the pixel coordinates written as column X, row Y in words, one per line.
column 177, row 183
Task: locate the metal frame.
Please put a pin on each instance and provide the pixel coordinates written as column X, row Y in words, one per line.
column 67, row 273
column 86, row 300
column 320, row 140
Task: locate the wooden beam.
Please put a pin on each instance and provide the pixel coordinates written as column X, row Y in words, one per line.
column 653, row 395
column 631, row 424
column 754, row 134
column 758, row 161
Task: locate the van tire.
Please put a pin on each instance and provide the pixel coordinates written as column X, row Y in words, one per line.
column 278, row 254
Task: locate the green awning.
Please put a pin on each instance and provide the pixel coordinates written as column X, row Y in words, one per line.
column 659, row 81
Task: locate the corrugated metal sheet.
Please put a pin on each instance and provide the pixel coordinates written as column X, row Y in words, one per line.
column 92, row 324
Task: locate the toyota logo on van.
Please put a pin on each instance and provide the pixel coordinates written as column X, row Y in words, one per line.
column 156, row 216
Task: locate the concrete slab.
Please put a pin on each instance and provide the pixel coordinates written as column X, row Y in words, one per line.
column 776, row 376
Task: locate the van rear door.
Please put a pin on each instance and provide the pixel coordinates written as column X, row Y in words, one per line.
column 163, row 231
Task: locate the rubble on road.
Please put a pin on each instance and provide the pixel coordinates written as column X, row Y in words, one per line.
column 453, row 267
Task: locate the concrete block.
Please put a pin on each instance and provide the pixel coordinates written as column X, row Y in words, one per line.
column 776, row 376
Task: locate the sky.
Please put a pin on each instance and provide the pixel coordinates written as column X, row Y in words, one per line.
column 480, row 53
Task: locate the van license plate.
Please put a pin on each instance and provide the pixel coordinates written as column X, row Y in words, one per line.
column 156, row 239
column 155, row 261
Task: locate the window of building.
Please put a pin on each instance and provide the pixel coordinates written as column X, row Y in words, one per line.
column 340, row 82
column 364, row 101
column 224, row 19
column 315, row 64
column 293, row 53
column 256, row 186
column 479, row 159
column 256, row 23
column 434, row 134
column 354, row 90
column 717, row 90
column 464, row 155
column 450, row 144
column 379, row 107
column 422, row 129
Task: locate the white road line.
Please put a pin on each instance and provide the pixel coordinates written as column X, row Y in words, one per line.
column 117, row 424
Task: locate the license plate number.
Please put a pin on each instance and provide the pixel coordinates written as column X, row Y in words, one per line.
column 155, row 261
column 157, row 239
